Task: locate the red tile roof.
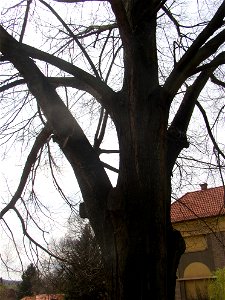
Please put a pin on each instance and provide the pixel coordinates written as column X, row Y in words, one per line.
column 199, row 204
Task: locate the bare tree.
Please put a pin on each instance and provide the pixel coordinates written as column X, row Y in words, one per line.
column 145, row 66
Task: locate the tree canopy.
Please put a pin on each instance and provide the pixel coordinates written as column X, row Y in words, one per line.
column 136, row 68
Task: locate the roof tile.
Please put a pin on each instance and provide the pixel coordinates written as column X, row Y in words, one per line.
column 199, row 204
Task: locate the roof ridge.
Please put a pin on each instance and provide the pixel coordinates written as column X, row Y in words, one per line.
column 198, row 204
column 197, row 191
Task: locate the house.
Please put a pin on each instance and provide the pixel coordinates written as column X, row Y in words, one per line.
column 45, row 297
column 7, row 294
column 8, row 289
column 200, row 217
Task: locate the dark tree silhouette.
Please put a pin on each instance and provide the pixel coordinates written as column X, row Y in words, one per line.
column 29, row 284
column 81, row 274
column 131, row 221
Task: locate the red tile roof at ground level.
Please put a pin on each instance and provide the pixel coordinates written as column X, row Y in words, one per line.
column 45, row 297
column 198, row 204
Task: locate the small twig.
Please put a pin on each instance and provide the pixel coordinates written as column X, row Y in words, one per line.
column 112, row 63
column 73, row 36
column 102, row 51
column 32, row 240
column 171, row 17
column 14, row 242
column 96, row 29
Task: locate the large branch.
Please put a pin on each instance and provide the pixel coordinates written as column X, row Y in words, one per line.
column 177, row 139
column 219, row 60
column 82, row 80
column 92, row 178
column 182, row 118
column 122, row 20
column 55, row 81
column 196, row 53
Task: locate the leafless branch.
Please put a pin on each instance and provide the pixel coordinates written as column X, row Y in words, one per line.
column 55, row 182
column 106, row 151
column 96, row 29
column 31, row 239
column 158, row 5
column 217, row 61
column 82, row 80
column 73, row 36
column 107, row 166
column 172, row 18
column 195, row 55
column 11, row 85
column 99, row 135
column 38, row 144
column 25, row 20
column 179, row 125
column 67, row 132
column 122, row 22
column 209, row 129
column 28, row 214
column 217, row 81
column 112, row 63
column 14, row 242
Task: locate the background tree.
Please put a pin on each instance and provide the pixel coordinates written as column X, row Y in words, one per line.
column 166, row 59
column 80, row 274
column 217, row 285
column 6, row 293
column 30, row 284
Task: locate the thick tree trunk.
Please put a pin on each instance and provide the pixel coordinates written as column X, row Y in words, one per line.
column 147, row 250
